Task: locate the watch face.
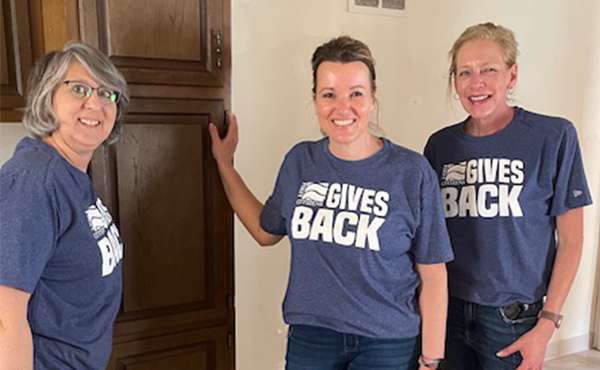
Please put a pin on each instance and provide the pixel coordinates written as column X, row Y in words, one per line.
column 558, row 322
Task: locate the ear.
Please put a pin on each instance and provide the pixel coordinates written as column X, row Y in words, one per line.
column 513, row 71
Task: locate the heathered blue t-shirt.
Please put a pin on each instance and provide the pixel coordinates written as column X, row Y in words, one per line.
column 501, row 195
column 356, row 230
column 59, row 243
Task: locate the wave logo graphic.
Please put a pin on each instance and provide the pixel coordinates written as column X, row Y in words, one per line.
column 312, row 193
column 454, row 172
column 97, row 220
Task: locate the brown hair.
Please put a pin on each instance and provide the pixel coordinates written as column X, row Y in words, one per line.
column 343, row 49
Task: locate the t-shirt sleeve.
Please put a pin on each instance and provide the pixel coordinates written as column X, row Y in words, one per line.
column 431, row 243
column 570, row 185
column 27, row 229
column 272, row 218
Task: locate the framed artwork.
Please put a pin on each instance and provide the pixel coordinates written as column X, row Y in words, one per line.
column 395, row 8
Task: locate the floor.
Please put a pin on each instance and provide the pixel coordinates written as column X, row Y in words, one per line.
column 587, row 360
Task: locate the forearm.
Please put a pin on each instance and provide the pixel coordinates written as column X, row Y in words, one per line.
column 246, row 206
column 564, row 271
column 16, row 347
column 568, row 257
column 433, row 304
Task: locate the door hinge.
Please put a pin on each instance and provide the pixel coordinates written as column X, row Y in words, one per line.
column 218, row 48
column 229, row 340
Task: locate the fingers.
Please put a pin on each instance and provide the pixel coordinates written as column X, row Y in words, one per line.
column 232, row 129
column 513, row 348
column 214, row 133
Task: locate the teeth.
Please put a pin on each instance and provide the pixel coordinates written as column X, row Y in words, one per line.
column 89, row 122
column 344, row 122
column 479, row 98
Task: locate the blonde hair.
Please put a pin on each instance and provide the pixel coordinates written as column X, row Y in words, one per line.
column 504, row 37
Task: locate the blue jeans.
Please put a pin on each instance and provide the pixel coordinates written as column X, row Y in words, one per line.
column 314, row 348
column 476, row 333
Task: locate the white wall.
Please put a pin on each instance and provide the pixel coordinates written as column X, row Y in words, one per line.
column 10, row 134
column 272, row 44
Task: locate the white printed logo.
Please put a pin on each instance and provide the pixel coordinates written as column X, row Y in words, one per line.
column 312, row 193
column 482, row 187
column 107, row 236
column 454, row 173
column 577, row 193
column 348, row 215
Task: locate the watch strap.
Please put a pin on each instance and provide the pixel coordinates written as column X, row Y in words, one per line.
column 554, row 317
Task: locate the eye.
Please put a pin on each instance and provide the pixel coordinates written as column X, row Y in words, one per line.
column 356, row 94
column 79, row 90
column 490, row 70
column 106, row 94
column 328, row 95
column 464, row 74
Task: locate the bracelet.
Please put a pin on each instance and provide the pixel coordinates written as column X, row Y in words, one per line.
column 431, row 363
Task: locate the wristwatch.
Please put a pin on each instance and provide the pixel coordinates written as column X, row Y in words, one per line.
column 554, row 317
column 430, row 363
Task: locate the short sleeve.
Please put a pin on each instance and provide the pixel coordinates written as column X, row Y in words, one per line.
column 431, row 243
column 27, row 229
column 570, row 185
column 272, row 218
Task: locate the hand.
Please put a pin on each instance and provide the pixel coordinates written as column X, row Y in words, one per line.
column 223, row 149
column 532, row 346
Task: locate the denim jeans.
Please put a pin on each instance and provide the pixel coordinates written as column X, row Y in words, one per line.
column 315, row 348
column 476, row 333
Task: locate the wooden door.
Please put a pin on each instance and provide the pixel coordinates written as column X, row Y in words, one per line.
column 161, row 182
column 16, row 56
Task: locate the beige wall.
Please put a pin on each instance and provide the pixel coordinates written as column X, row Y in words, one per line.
column 10, row 134
column 272, row 44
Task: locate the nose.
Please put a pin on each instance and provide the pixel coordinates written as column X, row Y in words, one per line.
column 343, row 104
column 477, row 80
column 93, row 102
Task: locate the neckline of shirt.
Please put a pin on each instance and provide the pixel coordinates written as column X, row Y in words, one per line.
column 505, row 131
column 347, row 165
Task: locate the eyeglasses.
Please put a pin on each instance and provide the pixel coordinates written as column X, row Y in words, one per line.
column 81, row 90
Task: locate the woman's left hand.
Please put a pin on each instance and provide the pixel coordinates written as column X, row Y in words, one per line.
column 532, row 346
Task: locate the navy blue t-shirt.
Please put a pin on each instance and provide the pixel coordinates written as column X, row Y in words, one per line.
column 356, row 230
column 59, row 243
column 501, row 195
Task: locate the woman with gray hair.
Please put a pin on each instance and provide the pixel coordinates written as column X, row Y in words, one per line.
column 60, row 276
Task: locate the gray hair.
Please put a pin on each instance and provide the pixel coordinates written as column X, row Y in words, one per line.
column 47, row 75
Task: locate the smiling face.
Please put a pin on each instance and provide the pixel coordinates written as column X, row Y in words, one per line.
column 483, row 79
column 343, row 102
column 84, row 122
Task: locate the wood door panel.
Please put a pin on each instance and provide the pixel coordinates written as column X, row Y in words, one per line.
column 167, row 42
column 16, row 57
column 161, row 183
column 161, row 205
column 166, row 30
column 200, row 349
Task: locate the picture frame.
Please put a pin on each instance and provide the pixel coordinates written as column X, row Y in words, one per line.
column 393, row 8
